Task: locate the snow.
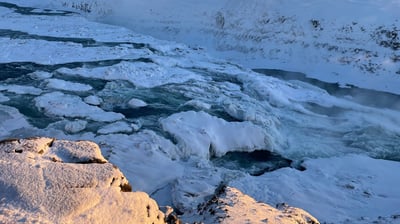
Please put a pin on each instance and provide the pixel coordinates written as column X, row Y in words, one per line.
column 203, row 135
column 40, row 75
column 10, row 120
column 58, row 181
column 136, row 103
column 147, row 159
column 60, row 84
column 232, row 206
column 93, row 100
column 75, row 126
column 140, row 74
column 60, row 104
column 198, row 104
column 307, row 37
column 3, row 98
column 19, row 89
column 337, row 189
column 117, row 127
column 164, row 149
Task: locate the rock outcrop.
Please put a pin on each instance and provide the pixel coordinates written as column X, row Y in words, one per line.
column 45, row 180
column 229, row 205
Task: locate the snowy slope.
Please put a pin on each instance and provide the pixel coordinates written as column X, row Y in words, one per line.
column 349, row 42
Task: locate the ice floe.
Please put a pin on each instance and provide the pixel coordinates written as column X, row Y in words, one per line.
column 117, row 127
column 75, row 126
column 60, row 104
column 201, row 134
column 66, row 85
column 140, row 74
column 19, row 89
column 136, row 103
column 93, row 100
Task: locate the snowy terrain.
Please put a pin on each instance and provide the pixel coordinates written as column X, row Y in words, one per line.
column 179, row 122
column 347, row 41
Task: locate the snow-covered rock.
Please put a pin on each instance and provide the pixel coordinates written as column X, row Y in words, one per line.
column 60, row 104
column 57, row 181
column 201, row 134
column 229, row 205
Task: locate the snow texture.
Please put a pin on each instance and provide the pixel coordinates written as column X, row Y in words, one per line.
column 353, row 188
column 59, row 181
column 65, row 85
column 60, row 104
column 203, row 135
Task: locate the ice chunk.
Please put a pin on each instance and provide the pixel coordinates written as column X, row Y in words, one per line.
column 201, row 134
column 93, row 100
column 20, row 89
column 40, row 75
column 145, row 158
column 198, row 104
column 11, row 119
column 136, row 103
column 75, row 126
column 140, row 74
column 60, row 104
column 117, row 127
column 66, row 85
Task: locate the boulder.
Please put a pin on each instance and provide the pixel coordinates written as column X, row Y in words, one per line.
column 45, row 180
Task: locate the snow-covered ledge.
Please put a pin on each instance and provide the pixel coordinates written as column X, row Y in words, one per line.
column 56, row 181
column 46, row 180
